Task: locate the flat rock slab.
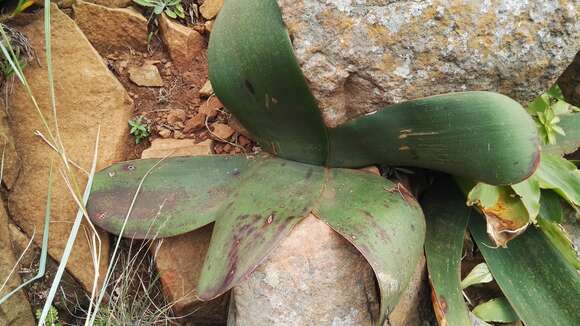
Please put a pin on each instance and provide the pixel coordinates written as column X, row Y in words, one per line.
column 112, row 29
column 360, row 56
column 210, row 8
column 87, row 96
column 15, row 311
column 176, row 147
column 185, row 44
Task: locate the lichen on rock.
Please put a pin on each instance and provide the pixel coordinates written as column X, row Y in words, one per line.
column 361, row 55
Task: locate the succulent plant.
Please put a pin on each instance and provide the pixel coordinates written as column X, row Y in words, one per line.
column 255, row 201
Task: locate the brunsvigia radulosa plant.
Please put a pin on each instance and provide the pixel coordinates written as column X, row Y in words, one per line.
column 484, row 139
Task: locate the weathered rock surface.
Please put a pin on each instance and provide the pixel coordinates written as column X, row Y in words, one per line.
column 359, row 56
column 112, row 29
column 146, row 75
column 210, row 8
column 184, row 43
column 315, row 277
column 87, row 96
column 112, row 3
column 570, row 82
column 15, row 311
column 10, row 159
column 179, row 259
column 176, row 147
column 414, row 307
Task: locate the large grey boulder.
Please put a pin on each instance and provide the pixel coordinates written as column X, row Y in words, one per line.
column 316, row 277
column 361, row 55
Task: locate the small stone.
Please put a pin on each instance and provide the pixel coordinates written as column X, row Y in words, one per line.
column 223, row 131
column 164, row 132
column 175, row 116
column 242, row 140
column 208, row 25
column 178, row 134
column 210, row 107
column 234, row 123
column 210, row 8
column 176, row 147
column 146, row 75
column 371, row 169
column 194, row 123
column 184, row 44
column 206, row 90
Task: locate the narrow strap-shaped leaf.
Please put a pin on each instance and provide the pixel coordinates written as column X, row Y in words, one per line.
column 253, row 71
column 180, row 195
column 447, row 217
column 383, row 221
column 540, row 285
column 569, row 143
column 273, row 197
column 483, row 136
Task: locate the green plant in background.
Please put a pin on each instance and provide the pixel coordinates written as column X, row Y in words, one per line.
column 485, row 140
column 172, row 8
column 139, row 129
column 546, row 110
column 52, row 317
column 23, row 52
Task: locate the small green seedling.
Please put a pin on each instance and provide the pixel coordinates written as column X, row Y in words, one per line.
column 546, row 109
column 139, row 129
column 52, row 317
column 171, row 8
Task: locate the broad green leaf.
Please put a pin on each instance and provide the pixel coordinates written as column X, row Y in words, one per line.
column 169, row 12
column 556, row 92
column 560, row 175
column 540, row 285
column 383, row 221
column 540, row 104
column 180, row 195
column 262, row 210
column 529, row 193
column 570, row 142
column 158, row 9
column 484, row 195
column 254, row 73
column 446, row 216
column 551, row 206
column 505, row 213
column 478, row 275
column 479, row 135
column 496, row 310
column 560, row 240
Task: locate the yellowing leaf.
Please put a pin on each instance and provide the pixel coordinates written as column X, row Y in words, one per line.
column 504, row 212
